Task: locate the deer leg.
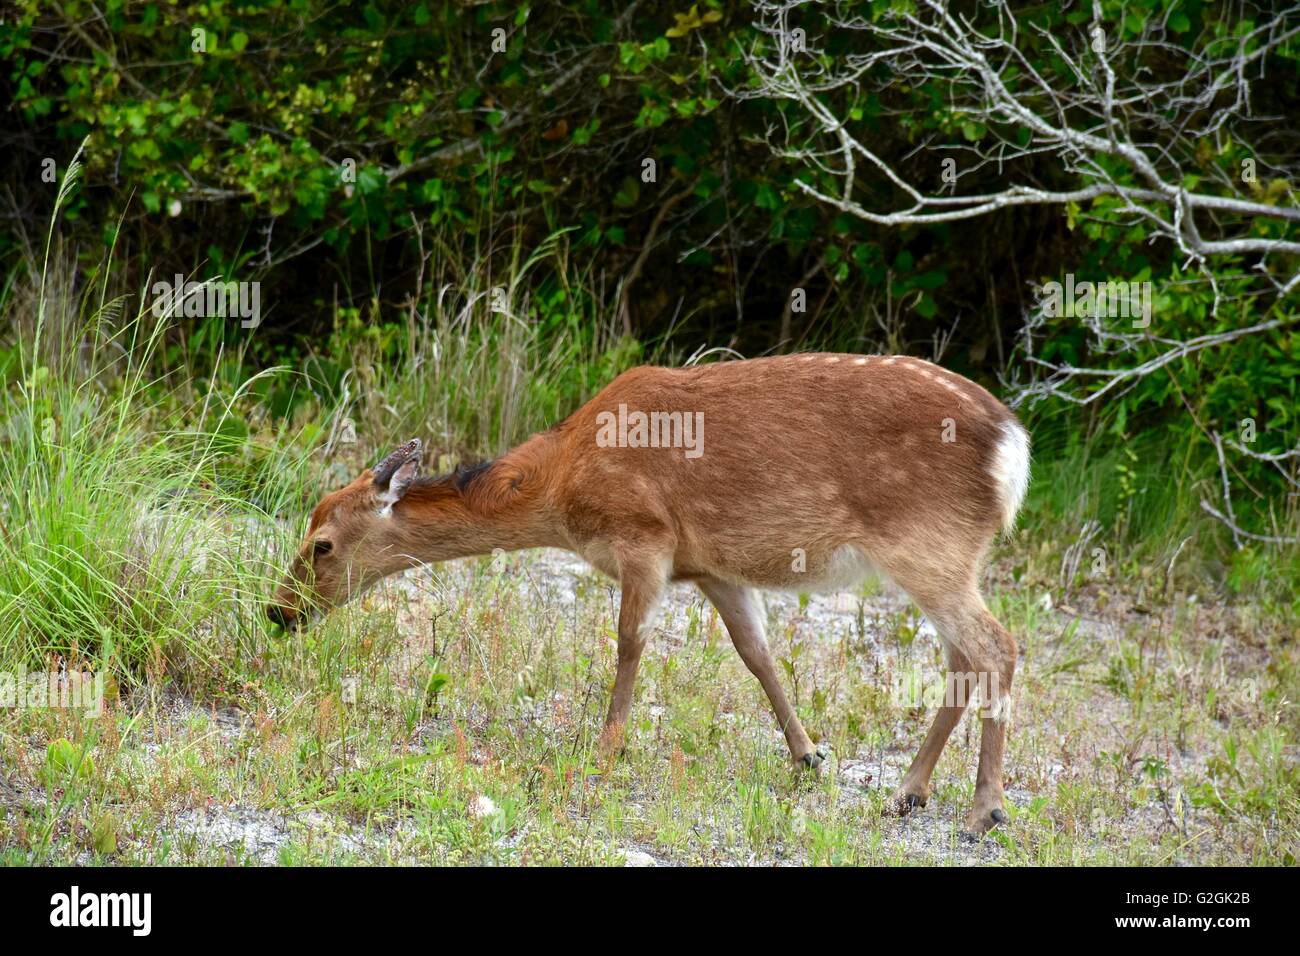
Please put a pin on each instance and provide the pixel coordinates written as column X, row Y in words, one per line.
column 739, row 609
column 982, row 657
column 914, row 790
column 988, row 810
column 991, row 650
column 642, row 590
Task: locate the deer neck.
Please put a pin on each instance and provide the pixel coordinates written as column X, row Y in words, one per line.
column 507, row 505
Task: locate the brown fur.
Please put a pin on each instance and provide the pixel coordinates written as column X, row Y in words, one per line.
column 840, row 458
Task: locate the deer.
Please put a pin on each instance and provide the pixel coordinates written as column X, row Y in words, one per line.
column 806, row 472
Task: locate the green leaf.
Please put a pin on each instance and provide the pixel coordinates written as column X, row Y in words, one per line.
column 62, row 759
column 629, row 191
column 370, row 180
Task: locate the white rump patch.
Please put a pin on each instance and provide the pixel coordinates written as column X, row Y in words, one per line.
column 1010, row 469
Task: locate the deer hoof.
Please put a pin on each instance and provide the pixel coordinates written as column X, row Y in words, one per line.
column 904, row 803
column 813, row 760
column 979, row 824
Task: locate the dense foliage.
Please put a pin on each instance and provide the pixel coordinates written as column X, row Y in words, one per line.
column 333, row 151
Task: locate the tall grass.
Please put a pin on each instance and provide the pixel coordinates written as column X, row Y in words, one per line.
column 145, row 501
column 1137, row 501
column 476, row 361
column 118, row 553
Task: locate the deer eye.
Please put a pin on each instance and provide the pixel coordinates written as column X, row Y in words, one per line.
column 322, row 547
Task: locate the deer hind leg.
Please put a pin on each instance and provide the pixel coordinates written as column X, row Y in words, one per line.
column 914, row 790
column 982, row 656
column 988, row 810
column 740, row 612
column 642, row 589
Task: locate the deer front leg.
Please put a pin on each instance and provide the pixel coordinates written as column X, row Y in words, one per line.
column 739, row 609
column 642, row 589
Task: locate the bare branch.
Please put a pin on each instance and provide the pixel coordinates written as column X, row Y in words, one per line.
column 1125, row 143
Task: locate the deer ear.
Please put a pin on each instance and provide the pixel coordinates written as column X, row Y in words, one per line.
column 393, row 476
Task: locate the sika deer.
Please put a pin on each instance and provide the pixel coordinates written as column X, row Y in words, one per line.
column 817, row 470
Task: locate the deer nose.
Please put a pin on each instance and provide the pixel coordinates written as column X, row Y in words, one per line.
column 280, row 616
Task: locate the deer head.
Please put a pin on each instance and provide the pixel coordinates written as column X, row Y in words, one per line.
column 351, row 541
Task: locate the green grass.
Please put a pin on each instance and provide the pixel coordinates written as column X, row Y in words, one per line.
column 1166, row 763
column 1138, row 501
